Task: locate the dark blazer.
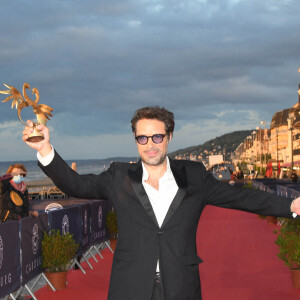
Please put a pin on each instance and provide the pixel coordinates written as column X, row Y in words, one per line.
column 141, row 242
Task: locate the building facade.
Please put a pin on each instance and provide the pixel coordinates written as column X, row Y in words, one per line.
column 276, row 149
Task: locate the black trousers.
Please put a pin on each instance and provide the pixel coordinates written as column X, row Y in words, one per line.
column 157, row 290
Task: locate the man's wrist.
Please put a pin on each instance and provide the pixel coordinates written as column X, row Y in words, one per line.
column 292, row 206
column 45, row 150
column 46, row 160
column 293, row 209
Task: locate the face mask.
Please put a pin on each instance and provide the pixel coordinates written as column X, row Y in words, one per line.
column 17, row 179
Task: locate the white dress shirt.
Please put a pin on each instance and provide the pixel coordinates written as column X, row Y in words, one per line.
column 162, row 198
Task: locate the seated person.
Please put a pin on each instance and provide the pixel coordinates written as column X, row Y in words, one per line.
column 14, row 198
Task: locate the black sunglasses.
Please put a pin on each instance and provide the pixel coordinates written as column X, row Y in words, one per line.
column 156, row 138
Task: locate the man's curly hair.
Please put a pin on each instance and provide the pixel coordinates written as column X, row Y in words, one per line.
column 156, row 113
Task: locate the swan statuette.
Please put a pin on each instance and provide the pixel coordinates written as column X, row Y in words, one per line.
column 43, row 112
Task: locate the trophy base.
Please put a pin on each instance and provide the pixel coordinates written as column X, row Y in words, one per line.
column 35, row 137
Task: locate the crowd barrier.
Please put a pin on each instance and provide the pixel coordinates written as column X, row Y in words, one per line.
column 284, row 188
column 20, row 241
column 269, row 184
column 47, row 193
column 288, row 190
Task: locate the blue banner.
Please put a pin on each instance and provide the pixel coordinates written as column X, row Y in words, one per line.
column 85, row 213
column 66, row 220
column 32, row 231
column 10, row 268
column 98, row 218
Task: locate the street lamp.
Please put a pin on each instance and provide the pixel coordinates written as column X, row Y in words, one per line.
column 277, row 130
column 291, row 120
column 254, row 151
column 263, row 141
column 249, row 138
column 260, row 147
column 253, row 133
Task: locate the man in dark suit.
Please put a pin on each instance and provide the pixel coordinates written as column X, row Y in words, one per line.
column 158, row 202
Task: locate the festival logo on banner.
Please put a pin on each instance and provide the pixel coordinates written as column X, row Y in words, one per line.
column 35, row 261
column 35, row 238
column 85, row 221
column 65, row 225
column 86, row 238
column 99, row 232
column 1, row 251
column 5, row 279
column 100, row 216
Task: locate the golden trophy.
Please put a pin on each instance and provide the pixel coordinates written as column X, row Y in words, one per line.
column 42, row 111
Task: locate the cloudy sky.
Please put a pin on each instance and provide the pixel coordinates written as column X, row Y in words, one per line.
column 219, row 65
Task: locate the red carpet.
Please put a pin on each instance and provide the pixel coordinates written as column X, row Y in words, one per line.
column 240, row 258
column 240, row 263
column 93, row 285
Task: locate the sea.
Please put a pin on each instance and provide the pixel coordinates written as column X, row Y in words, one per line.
column 84, row 166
